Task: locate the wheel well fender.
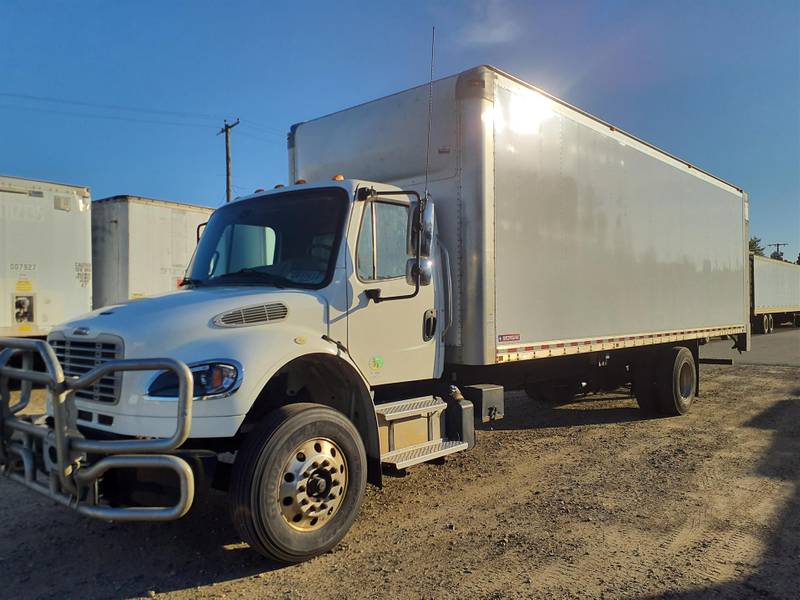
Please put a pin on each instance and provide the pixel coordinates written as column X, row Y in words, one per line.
column 329, row 380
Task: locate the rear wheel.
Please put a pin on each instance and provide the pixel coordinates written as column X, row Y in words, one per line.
column 771, row 324
column 676, row 381
column 643, row 386
column 297, row 482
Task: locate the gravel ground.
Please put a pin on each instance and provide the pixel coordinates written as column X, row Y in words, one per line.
column 586, row 500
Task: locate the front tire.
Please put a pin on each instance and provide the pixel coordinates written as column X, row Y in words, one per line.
column 297, row 482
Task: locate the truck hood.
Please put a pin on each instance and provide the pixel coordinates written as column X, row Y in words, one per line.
column 168, row 322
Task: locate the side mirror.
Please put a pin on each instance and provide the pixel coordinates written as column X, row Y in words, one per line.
column 200, row 228
column 428, row 225
column 425, row 269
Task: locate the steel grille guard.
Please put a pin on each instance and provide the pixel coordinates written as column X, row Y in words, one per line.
column 62, row 450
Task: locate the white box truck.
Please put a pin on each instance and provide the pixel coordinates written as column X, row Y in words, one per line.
column 347, row 322
column 774, row 293
column 141, row 246
column 45, row 255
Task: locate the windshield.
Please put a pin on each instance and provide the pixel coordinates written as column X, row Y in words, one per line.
column 284, row 240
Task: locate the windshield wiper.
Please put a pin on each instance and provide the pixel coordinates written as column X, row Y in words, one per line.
column 276, row 280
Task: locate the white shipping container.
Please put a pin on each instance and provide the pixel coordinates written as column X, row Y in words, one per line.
column 45, row 255
column 566, row 234
column 776, row 286
column 141, row 246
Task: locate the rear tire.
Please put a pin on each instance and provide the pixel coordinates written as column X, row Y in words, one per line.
column 643, row 386
column 297, row 482
column 771, row 324
column 676, row 381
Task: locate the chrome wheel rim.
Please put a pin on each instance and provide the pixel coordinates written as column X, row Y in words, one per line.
column 313, row 484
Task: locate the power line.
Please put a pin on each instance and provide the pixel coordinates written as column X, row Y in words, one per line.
column 262, row 127
column 256, row 137
column 157, row 111
column 265, row 128
column 107, row 117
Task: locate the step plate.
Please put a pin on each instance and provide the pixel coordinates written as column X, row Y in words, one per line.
column 410, row 408
column 407, row 457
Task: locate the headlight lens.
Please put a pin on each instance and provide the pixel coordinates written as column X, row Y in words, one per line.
column 210, row 379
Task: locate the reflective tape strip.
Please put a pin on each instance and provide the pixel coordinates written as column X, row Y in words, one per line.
column 562, row 348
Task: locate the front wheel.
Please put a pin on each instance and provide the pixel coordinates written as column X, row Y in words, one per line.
column 297, row 482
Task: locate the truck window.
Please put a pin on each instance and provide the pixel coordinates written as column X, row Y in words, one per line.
column 244, row 246
column 286, row 239
column 382, row 244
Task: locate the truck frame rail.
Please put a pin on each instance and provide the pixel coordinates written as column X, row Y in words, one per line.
column 57, row 461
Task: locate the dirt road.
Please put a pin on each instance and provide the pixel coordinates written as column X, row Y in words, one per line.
column 585, row 500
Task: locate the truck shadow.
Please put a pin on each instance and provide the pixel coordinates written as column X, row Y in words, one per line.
column 522, row 412
column 202, row 549
column 777, row 574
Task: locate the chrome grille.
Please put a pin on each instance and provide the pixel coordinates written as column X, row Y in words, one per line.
column 79, row 356
column 252, row 315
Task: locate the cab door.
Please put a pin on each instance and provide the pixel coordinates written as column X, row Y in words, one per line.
column 392, row 340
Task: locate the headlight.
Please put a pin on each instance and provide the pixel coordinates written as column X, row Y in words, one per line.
column 211, row 379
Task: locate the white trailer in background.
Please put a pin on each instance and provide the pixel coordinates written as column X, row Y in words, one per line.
column 775, row 293
column 141, row 246
column 45, row 255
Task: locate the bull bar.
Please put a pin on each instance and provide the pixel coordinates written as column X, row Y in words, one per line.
column 60, row 453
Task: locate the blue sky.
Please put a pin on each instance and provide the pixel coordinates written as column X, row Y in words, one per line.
column 716, row 83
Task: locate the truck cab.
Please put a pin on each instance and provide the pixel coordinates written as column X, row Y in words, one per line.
column 298, row 304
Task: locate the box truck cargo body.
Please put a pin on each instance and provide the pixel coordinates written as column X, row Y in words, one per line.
column 566, row 234
column 45, row 255
column 141, row 246
column 348, row 322
column 775, row 293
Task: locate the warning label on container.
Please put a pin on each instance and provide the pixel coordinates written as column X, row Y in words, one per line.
column 508, row 337
column 23, row 285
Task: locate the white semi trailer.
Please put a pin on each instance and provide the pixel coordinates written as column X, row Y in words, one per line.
column 775, row 293
column 329, row 328
column 141, row 246
column 45, row 255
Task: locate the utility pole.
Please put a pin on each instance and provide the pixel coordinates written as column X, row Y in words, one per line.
column 777, row 253
column 226, row 129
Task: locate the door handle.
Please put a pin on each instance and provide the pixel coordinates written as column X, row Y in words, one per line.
column 428, row 325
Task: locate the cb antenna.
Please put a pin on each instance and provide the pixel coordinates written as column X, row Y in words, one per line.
column 430, row 113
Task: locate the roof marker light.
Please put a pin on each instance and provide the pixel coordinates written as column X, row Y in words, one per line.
column 279, row 186
column 338, row 177
column 259, row 190
column 299, row 181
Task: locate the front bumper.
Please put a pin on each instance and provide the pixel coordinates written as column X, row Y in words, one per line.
column 57, row 461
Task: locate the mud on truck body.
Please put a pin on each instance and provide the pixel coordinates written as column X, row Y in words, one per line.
column 329, row 330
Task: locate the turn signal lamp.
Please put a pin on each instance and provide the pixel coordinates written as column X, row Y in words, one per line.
column 338, row 177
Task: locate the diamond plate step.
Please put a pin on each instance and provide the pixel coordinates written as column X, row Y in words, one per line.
column 410, row 408
column 414, row 455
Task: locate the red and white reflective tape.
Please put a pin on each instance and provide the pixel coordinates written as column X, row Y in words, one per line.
column 523, row 351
